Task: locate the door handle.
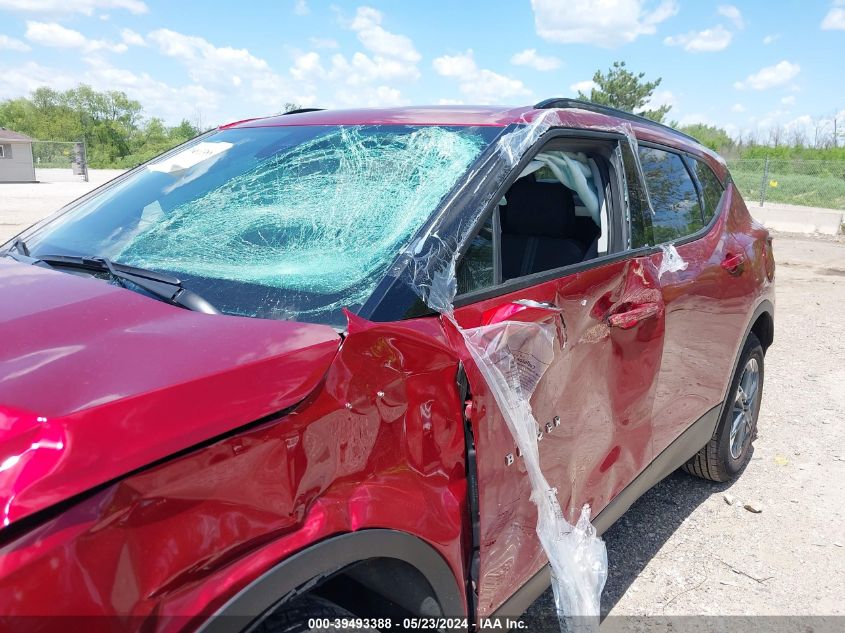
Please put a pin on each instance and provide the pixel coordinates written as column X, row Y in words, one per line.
column 733, row 263
column 628, row 319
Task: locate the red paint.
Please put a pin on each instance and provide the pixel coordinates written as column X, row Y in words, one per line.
column 149, row 413
column 522, row 312
column 178, row 539
column 98, row 381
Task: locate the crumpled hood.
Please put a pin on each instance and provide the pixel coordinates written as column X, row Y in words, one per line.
column 96, row 381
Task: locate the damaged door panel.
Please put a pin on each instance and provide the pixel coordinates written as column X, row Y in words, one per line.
column 593, row 405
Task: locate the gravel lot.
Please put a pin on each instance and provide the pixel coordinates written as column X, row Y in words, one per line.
column 681, row 549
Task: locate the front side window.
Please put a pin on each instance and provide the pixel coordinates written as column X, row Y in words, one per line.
column 711, row 188
column 290, row 222
column 556, row 214
column 674, row 198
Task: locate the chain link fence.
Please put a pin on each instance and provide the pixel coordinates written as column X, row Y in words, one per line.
column 810, row 183
column 59, row 161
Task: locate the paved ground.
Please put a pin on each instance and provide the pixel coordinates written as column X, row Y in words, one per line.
column 790, row 217
column 682, row 549
column 22, row 204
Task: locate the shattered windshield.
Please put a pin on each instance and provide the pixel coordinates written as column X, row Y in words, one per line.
column 291, row 222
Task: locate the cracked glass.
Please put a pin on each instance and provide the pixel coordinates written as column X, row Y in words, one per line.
column 288, row 222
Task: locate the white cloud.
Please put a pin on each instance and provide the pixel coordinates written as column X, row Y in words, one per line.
column 306, row 66
column 662, row 98
column 835, row 19
column 11, row 44
column 220, row 67
column 788, row 100
column 362, row 69
column 459, row 65
column 733, row 14
column 370, row 96
column 449, row 102
column 530, row 58
column 56, row 36
column 707, row 41
column 22, row 79
column 204, row 60
column 362, row 78
column 585, row 86
column 737, row 107
column 323, row 42
column 377, row 40
column 300, row 7
column 479, row 84
column 86, row 7
column 770, row 76
column 693, row 118
column 771, row 38
column 610, row 24
column 131, row 38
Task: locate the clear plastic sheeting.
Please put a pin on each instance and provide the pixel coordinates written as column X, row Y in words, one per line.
column 513, row 356
column 514, row 145
column 671, row 262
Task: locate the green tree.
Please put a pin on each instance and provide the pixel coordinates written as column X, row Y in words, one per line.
column 711, row 136
column 290, row 106
column 620, row 88
column 112, row 125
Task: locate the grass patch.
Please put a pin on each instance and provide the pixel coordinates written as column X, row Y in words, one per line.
column 807, row 183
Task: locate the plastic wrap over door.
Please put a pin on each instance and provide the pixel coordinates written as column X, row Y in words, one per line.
column 600, row 386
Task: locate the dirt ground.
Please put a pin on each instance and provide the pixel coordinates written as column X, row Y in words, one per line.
column 681, row 549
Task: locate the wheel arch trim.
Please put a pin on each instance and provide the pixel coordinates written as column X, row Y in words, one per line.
column 304, row 570
column 765, row 306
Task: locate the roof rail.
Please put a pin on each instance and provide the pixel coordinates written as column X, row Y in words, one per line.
column 301, row 110
column 566, row 102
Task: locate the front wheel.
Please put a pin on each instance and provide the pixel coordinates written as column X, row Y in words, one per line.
column 730, row 449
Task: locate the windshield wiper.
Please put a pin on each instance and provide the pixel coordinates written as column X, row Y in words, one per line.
column 164, row 287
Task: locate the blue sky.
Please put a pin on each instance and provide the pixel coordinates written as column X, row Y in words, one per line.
column 748, row 66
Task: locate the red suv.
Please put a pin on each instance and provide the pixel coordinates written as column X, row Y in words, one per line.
column 234, row 392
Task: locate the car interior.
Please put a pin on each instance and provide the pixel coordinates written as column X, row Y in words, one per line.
column 555, row 215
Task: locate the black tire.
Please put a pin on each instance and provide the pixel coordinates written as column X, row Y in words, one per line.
column 715, row 461
column 294, row 617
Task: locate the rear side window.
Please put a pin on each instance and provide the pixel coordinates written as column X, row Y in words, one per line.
column 711, row 188
column 674, row 198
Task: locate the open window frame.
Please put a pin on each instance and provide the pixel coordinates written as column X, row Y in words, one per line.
column 618, row 214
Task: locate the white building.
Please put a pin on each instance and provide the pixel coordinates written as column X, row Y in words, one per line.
column 15, row 157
